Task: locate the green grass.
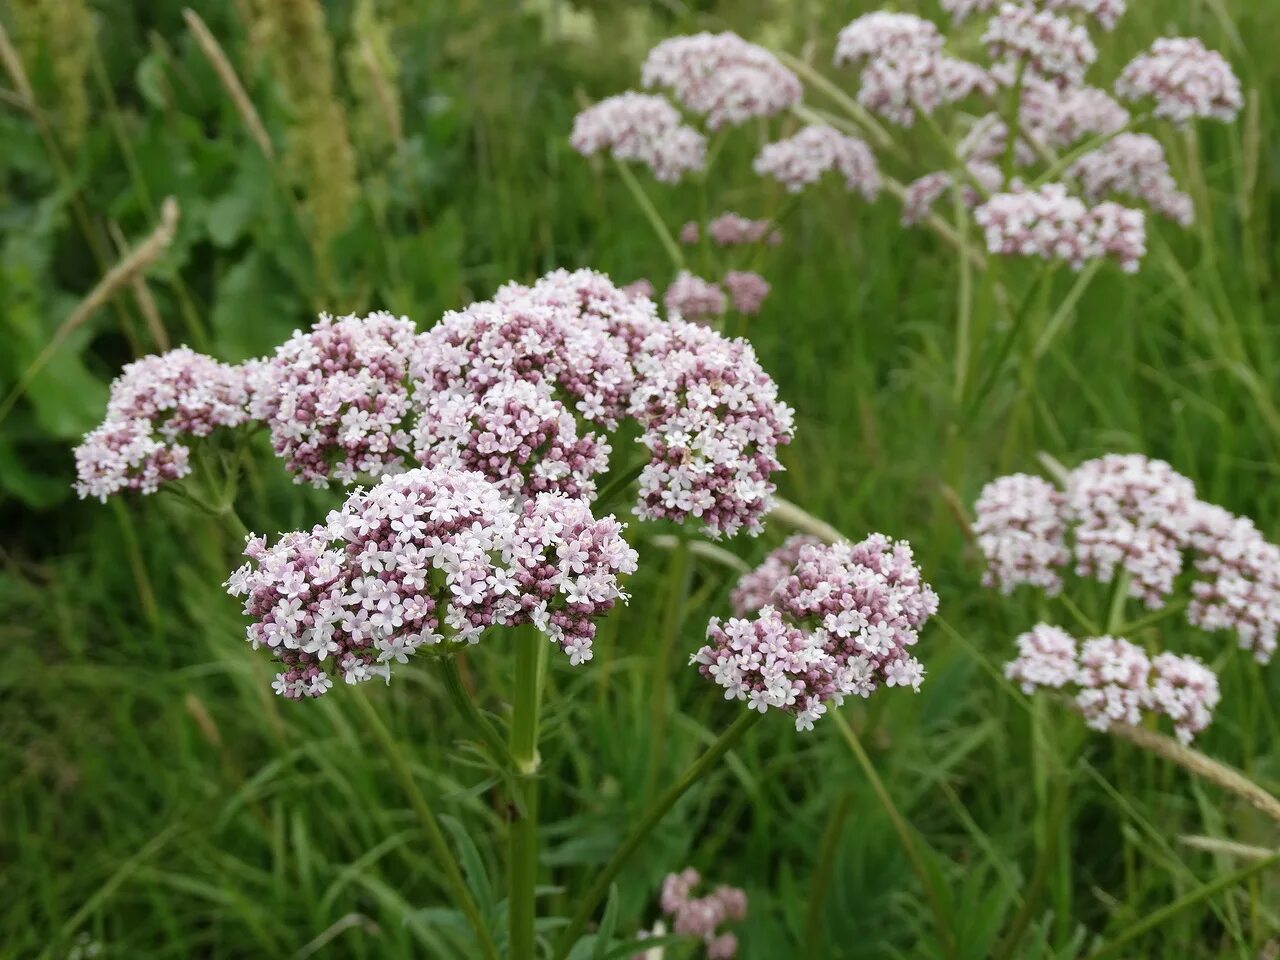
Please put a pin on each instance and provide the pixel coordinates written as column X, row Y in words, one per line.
column 159, row 798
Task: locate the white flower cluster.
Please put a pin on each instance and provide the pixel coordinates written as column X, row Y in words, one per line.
column 1186, row 80
column 801, row 159
column 1115, row 681
column 1051, row 47
column 1020, row 532
column 643, row 129
column 1132, row 514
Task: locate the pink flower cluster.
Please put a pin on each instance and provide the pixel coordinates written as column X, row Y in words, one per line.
column 712, row 423
column 1051, row 224
column 924, row 192
column 702, row 917
column 1186, row 80
column 124, row 455
column 839, row 622
column 722, row 77
column 692, row 298
column 516, row 433
column 1020, row 531
column 710, row 416
column 424, row 556
column 336, row 398
column 519, row 391
column 800, row 160
column 1115, row 681
column 733, row 230
column 180, row 393
column 644, row 129
column 153, row 404
column 755, row 589
column 1133, row 164
column 905, row 68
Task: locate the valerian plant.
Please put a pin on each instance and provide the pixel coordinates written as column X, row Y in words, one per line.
column 473, row 453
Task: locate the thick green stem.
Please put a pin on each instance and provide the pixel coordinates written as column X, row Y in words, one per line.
column 651, row 213
column 523, row 835
column 454, row 881
column 659, row 809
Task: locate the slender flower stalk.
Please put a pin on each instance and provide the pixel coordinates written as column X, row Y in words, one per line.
column 457, row 691
column 588, row 902
column 651, row 214
column 454, row 881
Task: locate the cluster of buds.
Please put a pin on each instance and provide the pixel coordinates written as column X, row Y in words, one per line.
column 1132, row 517
column 837, row 620
column 700, row 917
column 1115, row 681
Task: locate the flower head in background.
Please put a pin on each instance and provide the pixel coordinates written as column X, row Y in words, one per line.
column 732, row 230
column 800, row 160
column 424, row 556
column 1133, row 165
column 839, row 622
column 1046, row 658
column 884, row 34
column 747, row 291
column 1106, row 12
column 701, row 917
column 1059, row 118
column 1052, row 224
column 721, row 77
column 1020, row 531
column 1237, row 582
column 336, row 398
column 1114, row 681
column 1130, row 513
column 641, row 128
column 694, row 298
column 1052, row 47
column 1185, row 79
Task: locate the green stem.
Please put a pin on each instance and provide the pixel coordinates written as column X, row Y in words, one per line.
column 784, row 511
column 856, row 111
column 965, row 319
column 454, row 880
column 1063, row 313
column 1115, row 616
column 651, row 213
column 1157, row 917
column 462, row 699
column 1013, row 124
column 904, row 834
column 659, row 809
column 678, row 579
column 523, row 835
column 1093, row 143
column 1173, row 609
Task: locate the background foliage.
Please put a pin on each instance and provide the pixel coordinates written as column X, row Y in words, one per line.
column 161, row 802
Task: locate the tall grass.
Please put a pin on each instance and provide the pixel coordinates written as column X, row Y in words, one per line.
column 161, row 800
